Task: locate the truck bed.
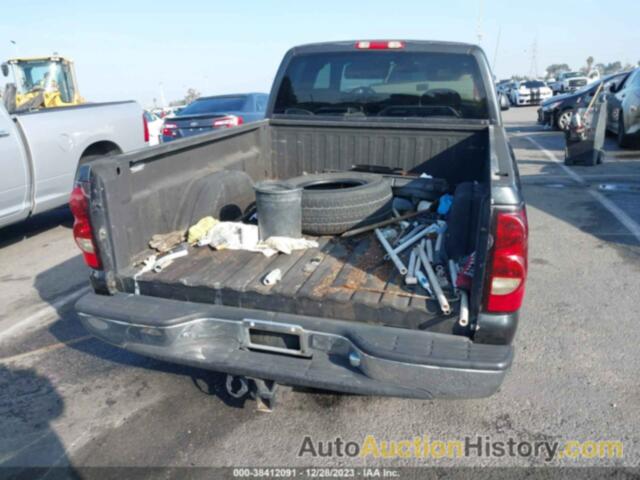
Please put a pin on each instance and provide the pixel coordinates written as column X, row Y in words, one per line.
column 344, row 279
column 172, row 186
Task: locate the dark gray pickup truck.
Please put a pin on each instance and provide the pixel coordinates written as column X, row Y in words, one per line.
column 414, row 107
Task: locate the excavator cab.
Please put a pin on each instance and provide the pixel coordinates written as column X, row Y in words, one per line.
column 42, row 82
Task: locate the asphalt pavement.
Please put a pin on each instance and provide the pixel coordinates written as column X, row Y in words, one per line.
column 67, row 399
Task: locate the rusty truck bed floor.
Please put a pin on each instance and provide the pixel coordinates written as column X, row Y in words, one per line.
column 344, row 279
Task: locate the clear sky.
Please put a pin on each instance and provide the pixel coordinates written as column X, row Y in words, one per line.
column 128, row 48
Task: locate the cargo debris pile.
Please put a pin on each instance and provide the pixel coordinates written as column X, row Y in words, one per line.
column 408, row 215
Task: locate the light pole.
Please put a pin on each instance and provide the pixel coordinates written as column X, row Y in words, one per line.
column 163, row 101
column 15, row 47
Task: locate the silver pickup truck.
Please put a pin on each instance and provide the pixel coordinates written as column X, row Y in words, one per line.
column 41, row 151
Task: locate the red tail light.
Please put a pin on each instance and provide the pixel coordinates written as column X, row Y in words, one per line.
column 79, row 204
column 379, row 45
column 228, row 121
column 169, row 130
column 145, row 125
column 508, row 267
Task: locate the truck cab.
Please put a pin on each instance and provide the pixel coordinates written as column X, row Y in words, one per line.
column 569, row 82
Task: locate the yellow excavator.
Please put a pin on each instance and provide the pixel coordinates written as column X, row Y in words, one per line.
column 40, row 82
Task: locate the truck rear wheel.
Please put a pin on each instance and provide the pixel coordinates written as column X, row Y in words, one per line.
column 333, row 203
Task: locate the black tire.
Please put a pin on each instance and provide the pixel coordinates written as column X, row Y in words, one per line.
column 624, row 141
column 333, row 203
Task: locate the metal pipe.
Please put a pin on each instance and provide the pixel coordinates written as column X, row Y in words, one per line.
column 429, row 249
column 418, row 262
column 464, row 309
column 384, row 223
column 392, row 255
column 410, row 241
column 408, row 234
column 404, row 225
column 435, row 285
column 410, row 279
column 421, row 277
column 166, row 260
column 453, row 271
column 439, row 253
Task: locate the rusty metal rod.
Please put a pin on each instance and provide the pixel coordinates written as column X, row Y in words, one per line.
column 384, row 223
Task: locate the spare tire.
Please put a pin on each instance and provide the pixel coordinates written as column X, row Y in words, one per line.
column 333, row 203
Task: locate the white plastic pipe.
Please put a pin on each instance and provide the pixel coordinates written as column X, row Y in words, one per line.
column 410, row 278
column 393, row 255
column 435, row 285
column 464, row 308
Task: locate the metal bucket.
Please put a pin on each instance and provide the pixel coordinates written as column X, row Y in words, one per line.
column 279, row 208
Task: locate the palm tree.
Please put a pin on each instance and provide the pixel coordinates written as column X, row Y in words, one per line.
column 589, row 63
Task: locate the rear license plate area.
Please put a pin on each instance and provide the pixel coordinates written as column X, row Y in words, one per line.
column 274, row 337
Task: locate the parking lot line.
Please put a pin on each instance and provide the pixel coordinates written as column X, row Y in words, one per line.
column 551, row 156
column 611, row 207
column 47, row 349
column 43, row 313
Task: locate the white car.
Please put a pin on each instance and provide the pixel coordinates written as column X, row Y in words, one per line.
column 154, row 123
column 530, row 92
column 41, row 151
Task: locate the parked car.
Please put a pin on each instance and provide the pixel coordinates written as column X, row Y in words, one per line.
column 503, row 101
column 529, row 92
column 322, row 324
column 207, row 114
column 508, row 87
column 155, row 127
column 162, row 112
column 623, row 109
column 557, row 110
column 568, row 82
column 41, row 151
column 501, row 86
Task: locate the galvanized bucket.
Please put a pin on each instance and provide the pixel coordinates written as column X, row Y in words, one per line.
column 279, row 208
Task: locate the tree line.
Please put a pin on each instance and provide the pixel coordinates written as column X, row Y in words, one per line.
column 604, row 68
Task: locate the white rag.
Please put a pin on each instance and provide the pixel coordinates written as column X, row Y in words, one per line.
column 242, row 236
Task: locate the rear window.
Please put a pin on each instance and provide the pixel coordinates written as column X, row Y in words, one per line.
column 214, row 105
column 383, row 84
